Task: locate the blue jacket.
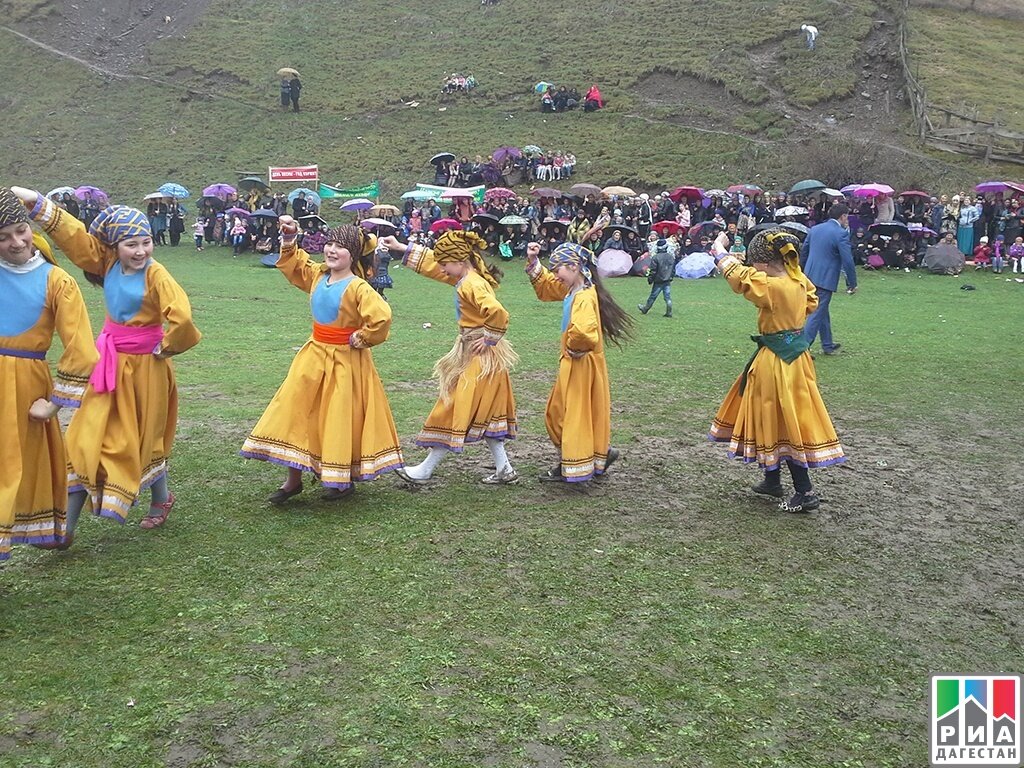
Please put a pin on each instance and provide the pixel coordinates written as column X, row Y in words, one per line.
column 825, row 253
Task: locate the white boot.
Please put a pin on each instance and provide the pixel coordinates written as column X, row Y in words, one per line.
column 423, row 471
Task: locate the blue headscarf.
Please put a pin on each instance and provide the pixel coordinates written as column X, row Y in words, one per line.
column 119, row 222
column 574, row 254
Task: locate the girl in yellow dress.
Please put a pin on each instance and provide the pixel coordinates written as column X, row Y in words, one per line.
column 120, row 438
column 579, row 411
column 39, row 298
column 476, row 401
column 774, row 412
column 331, row 416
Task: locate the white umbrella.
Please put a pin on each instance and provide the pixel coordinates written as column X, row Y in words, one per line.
column 357, row 204
column 694, row 266
column 791, row 210
column 155, row 196
column 832, row 192
column 374, row 223
column 61, row 191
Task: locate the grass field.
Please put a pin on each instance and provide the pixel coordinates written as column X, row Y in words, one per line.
column 663, row 616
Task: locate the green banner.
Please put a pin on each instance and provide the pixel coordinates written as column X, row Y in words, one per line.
column 370, row 190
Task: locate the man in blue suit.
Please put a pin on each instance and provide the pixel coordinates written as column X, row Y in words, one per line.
column 825, row 253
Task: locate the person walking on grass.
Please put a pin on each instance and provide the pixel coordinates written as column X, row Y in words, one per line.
column 824, row 254
column 774, row 414
column 331, row 416
column 475, row 401
column 286, row 93
column 294, row 91
column 579, row 410
column 660, row 274
column 120, row 439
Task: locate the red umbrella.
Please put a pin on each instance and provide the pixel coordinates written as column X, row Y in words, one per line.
column 443, row 225
column 745, row 189
column 690, row 193
column 666, row 228
column 498, row 193
column 915, row 193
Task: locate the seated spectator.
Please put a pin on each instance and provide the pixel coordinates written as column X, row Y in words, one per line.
column 982, row 254
column 593, row 101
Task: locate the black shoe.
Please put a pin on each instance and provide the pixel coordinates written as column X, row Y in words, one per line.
column 337, row 494
column 643, row 309
column 552, row 475
column 668, row 314
column 834, row 350
column 280, row 496
column 801, row 502
column 613, row 456
column 767, row 489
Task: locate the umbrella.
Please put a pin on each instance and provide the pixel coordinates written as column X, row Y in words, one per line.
column 502, row 153
column 690, row 193
column 920, row 230
column 991, row 186
column 745, row 189
column 943, row 259
column 532, row 149
column 546, row 192
column 253, row 182
column 212, row 202
column 61, row 191
column 641, row 265
column 287, row 72
column 915, row 193
column 486, row 218
column 513, row 220
column 832, row 192
column 85, row 189
column 791, row 210
column 238, row 212
column 585, row 189
column 699, row 229
column 807, row 185
column 1015, row 188
column 872, row 190
column 694, row 266
column 219, row 190
column 889, row 228
column 155, row 196
column 715, row 193
column 374, row 223
column 312, row 219
column 265, row 213
column 749, row 234
column 621, row 228
column 849, row 189
column 541, row 86
column 442, row 157
column 310, row 195
column 491, row 174
column 666, row 228
column 499, row 193
column 357, row 204
column 454, row 192
column 620, row 191
column 170, row 189
column 443, row 225
column 555, row 224
column 384, row 210
column 613, row 262
column 796, row 228
column 419, row 194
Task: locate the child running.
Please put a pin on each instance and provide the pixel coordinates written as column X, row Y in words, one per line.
column 120, row 439
column 39, row 298
column 331, row 416
column 475, row 399
column 774, row 413
column 579, row 410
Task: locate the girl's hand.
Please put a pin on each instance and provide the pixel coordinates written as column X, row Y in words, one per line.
column 287, row 225
column 28, row 196
column 576, row 355
column 356, row 341
column 42, row 410
column 478, row 346
column 392, row 243
column 532, row 252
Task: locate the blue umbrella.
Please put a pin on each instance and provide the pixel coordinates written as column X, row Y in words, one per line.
column 310, row 195
column 265, row 213
column 170, row 189
column 694, row 266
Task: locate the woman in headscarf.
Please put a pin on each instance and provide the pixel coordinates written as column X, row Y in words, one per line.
column 39, row 299
column 774, row 412
column 969, row 215
column 331, row 416
column 120, row 439
column 475, row 401
column 579, row 410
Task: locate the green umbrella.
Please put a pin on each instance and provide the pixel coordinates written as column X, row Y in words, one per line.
column 513, row 220
column 807, row 185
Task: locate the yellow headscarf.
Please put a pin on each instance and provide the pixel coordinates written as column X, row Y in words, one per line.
column 458, row 245
column 776, row 245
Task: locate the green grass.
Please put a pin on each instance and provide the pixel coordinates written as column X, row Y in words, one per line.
column 663, row 617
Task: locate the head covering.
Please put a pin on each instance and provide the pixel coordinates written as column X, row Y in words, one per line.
column 12, row 210
column 459, row 245
column 775, row 245
column 358, row 243
column 574, row 254
column 119, row 222
column 983, row 240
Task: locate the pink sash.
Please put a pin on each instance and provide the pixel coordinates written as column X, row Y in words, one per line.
column 132, row 340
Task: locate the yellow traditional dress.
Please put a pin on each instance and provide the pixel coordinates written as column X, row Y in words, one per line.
column 331, row 415
column 779, row 414
column 119, row 441
column 476, row 399
column 39, row 298
column 579, row 411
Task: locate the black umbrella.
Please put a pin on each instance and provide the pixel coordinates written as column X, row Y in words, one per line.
column 549, row 223
column 265, row 213
column 212, row 202
column 253, row 182
column 621, row 228
column 442, row 157
column 890, row 228
column 312, row 219
column 486, row 218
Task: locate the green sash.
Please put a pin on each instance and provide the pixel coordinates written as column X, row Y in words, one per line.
column 787, row 346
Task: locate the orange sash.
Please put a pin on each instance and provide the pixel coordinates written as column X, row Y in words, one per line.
column 332, row 334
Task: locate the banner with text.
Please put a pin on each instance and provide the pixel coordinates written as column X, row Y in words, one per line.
column 371, row 190
column 308, row 174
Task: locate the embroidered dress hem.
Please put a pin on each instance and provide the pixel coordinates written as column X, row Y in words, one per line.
column 331, row 475
column 582, row 470
column 438, row 437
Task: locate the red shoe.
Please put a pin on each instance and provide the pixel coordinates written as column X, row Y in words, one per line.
column 155, row 521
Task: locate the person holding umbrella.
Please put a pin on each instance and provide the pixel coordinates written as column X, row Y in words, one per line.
column 286, row 92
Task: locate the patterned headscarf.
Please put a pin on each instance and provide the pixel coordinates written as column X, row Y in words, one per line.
column 12, row 210
column 359, row 244
column 119, row 222
column 576, row 255
column 458, row 245
column 775, row 245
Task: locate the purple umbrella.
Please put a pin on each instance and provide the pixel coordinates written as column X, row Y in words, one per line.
column 502, row 153
column 872, row 190
column 849, row 189
column 491, row 173
column 613, row 262
column 920, row 230
column 239, row 212
column 96, row 192
column 991, row 186
column 219, row 190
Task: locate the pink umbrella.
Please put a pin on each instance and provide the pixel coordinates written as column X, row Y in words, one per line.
column 219, row 190
column 96, row 193
column 454, row 192
column 614, row 263
column 239, row 212
column 443, row 225
column 498, row 193
column 872, row 190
